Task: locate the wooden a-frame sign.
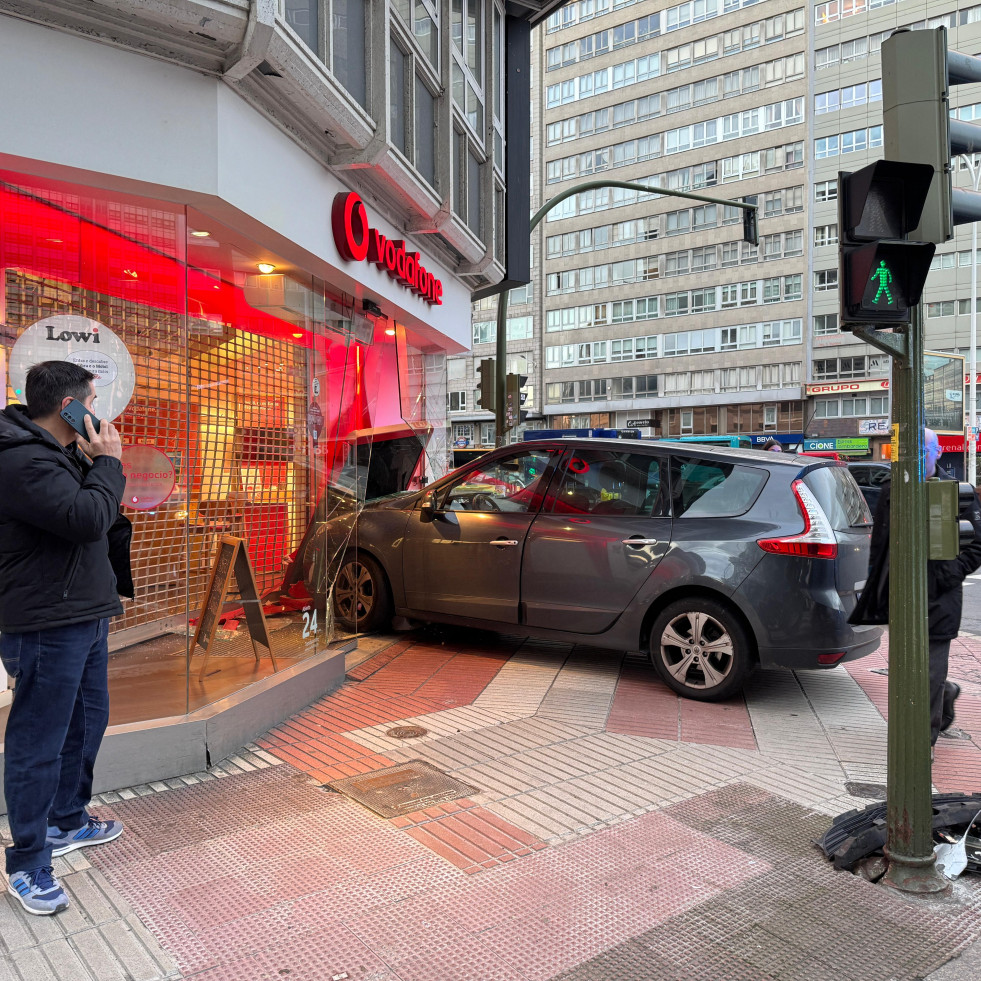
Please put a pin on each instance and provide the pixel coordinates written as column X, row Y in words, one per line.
column 232, row 558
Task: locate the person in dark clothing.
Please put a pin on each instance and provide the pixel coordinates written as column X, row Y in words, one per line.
column 59, row 520
column 945, row 592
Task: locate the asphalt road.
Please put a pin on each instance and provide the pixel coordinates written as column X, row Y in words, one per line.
column 971, row 619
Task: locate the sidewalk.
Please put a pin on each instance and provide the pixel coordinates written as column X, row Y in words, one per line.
column 611, row 831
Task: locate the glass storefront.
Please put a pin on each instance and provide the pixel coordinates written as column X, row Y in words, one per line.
column 254, row 402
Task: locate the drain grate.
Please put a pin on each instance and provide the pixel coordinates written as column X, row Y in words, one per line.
column 403, row 789
column 407, row 732
column 869, row 791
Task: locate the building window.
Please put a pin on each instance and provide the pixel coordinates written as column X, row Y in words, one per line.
column 826, row 279
column 826, row 191
column 457, row 401
column 825, row 323
column 825, row 235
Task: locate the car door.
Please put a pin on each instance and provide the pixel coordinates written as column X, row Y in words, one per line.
column 603, row 528
column 462, row 556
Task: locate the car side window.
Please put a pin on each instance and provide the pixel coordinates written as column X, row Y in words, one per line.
column 713, row 488
column 607, row 482
column 504, row 483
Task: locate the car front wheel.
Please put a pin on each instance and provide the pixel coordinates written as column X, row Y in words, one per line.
column 700, row 649
column 362, row 601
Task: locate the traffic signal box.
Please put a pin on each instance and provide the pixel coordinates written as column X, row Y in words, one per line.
column 881, row 274
column 487, row 386
column 918, row 70
column 512, row 387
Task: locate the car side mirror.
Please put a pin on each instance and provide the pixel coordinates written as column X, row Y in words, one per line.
column 427, row 507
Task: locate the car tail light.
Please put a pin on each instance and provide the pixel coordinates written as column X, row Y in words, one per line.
column 816, row 541
column 830, row 658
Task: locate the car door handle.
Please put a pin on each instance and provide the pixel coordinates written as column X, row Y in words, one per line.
column 640, row 541
column 502, row 542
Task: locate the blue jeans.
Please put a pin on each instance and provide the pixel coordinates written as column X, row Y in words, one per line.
column 57, row 719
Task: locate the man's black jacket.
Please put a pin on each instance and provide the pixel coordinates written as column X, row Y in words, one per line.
column 59, row 516
column 945, row 577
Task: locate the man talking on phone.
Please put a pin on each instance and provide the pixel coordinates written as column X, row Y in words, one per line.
column 59, row 520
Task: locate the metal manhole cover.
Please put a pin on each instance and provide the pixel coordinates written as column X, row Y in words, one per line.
column 403, row 789
column 870, row 791
column 407, row 732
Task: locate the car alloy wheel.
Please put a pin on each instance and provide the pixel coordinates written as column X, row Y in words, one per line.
column 700, row 649
column 361, row 598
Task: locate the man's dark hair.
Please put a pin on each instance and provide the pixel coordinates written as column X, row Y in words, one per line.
column 51, row 381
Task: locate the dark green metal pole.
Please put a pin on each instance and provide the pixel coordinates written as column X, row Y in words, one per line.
column 909, row 846
column 501, row 370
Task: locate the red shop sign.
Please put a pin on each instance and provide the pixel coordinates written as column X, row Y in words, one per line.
column 357, row 241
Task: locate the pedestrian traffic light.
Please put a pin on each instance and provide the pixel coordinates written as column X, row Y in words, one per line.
column 917, row 72
column 486, row 387
column 881, row 275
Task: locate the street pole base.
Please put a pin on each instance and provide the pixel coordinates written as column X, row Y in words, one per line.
column 918, row 876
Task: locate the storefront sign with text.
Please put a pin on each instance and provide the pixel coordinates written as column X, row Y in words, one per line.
column 357, row 241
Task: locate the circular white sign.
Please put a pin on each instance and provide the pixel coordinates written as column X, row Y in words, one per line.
column 101, row 365
column 85, row 342
column 150, row 477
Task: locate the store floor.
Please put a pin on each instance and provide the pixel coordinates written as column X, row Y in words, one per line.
column 154, row 680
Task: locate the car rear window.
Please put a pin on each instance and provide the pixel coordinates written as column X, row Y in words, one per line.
column 839, row 497
column 712, row 488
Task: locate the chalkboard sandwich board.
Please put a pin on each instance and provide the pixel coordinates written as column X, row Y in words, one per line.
column 232, row 558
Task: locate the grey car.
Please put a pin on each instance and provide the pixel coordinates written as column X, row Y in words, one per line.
column 710, row 560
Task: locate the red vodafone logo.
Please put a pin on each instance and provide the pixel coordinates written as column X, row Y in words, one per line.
column 357, row 241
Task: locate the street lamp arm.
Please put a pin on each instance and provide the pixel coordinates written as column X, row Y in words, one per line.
column 502, row 300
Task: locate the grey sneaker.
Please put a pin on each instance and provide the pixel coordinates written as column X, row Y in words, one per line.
column 93, row 832
column 38, row 890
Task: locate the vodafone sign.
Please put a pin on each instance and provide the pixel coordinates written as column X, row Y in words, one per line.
column 357, row 241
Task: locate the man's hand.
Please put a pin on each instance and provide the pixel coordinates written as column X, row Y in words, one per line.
column 105, row 442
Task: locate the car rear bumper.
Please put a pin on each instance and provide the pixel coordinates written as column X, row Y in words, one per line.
column 797, row 614
column 863, row 640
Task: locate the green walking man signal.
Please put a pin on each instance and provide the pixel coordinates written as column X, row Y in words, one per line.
column 885, row 278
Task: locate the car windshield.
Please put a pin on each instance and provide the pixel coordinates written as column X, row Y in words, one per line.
column 503, row 483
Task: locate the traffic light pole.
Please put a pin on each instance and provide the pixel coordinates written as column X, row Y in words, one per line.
column 749, row 234
column 909, row 811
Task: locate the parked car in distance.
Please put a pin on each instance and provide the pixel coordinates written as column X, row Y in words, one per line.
column 710, row 560
column 870, row 476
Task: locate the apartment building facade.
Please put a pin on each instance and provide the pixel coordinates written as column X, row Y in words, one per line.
column 650, row 308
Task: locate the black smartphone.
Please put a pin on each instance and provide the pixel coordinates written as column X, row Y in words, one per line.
column 74, row 414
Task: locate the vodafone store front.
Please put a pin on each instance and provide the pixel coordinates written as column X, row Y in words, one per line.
column 255, row 394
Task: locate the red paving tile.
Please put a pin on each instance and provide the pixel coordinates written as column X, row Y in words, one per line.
column 471, row 837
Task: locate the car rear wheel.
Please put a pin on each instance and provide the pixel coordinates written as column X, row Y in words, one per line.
column 700, row 649
column 362, row 601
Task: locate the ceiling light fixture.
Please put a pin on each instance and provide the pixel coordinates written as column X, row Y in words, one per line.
column 265, row 268
column 200, row 234
column 390, row 331
column 297, row 336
